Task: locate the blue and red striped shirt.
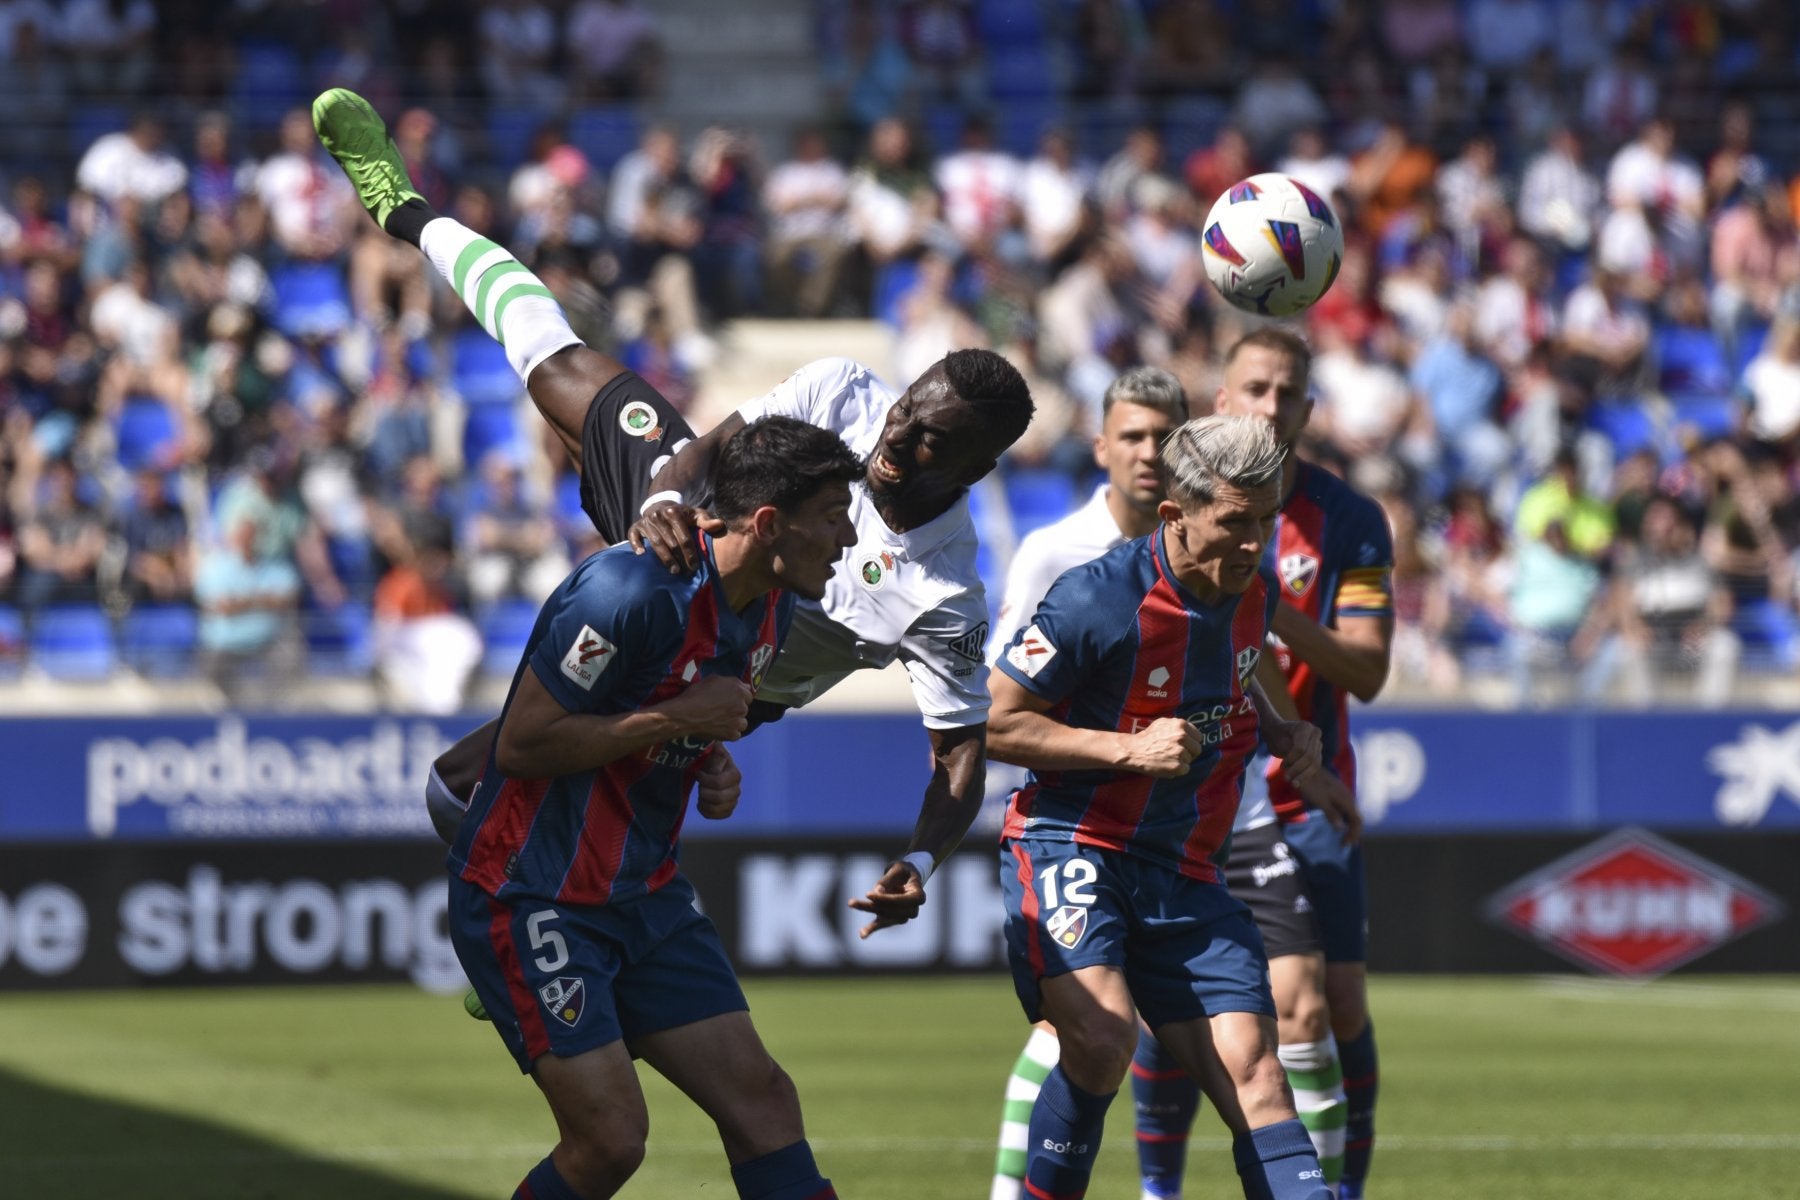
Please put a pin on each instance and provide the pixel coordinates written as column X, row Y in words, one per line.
column 1116, row 644
column 619, row 634
column 1334, row 557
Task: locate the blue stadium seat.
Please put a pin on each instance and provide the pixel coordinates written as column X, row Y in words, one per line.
column 353, row 561
column 158, row 641
column 1626, row 424
column 479, row 372
column 1711, row 416
column 505, row 630
column 1037, row 497
column 942, row 125
column 1100, row 128
column 568, row 501
column 338, row 641
column 604, row 134
column 892, row 283
column 311, row 299
column 1021, row 71
column 1770, row 637
column 74, row 643
column 1022, row 122
column 1750, row 344
column 146, row 431
column 1691, row 362
column 489, row 427
column 1004, row 23
column 88, row 123
column 509, row 133
column 1192, row 123
column 270, row 80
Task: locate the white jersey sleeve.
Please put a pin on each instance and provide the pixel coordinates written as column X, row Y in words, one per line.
column 821, row 393
column 942, row 653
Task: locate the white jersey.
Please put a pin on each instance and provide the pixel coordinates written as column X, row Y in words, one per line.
column 915, row 596
column 1045, row 554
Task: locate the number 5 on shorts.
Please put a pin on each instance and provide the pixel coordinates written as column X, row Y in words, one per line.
column 558, row 956
column 1078, row 876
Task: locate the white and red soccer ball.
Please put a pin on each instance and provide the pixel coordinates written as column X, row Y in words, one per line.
column 1272, row 245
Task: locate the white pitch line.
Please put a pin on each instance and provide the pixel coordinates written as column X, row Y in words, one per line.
column 1674, row 995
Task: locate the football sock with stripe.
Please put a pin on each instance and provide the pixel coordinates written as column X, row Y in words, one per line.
column 785, row 1174
column 511, row 303
column 1362, row 1076
column 1035, row 1062
column 1167, row 1099
column 544, row 1183
column 1066, row 1124
column 1277, row 1162
column 1318, row 1083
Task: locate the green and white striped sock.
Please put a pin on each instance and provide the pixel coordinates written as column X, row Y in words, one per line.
column 511, row 303
column 1318, row 1082
column 1036, row 1061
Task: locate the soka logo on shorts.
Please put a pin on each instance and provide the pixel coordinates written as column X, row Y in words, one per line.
column 1633, row 904
column 639, row 420
column 564, row 997
column 1067, row 924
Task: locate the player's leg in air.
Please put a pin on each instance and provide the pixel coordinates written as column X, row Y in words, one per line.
column 614, row 425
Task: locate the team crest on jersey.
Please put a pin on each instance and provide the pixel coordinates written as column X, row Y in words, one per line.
column 1067, row 924
column 564, row 997
column 588, row 657
column 639, row 420
column 970, row 644
column 1298, row 572
column 875, row 569
column 1246, row 662
column 759, row 663
column 1032, row 652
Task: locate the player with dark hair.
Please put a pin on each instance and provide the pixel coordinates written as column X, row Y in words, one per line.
column 1131, row 697
column 568, row 910
column 909, row 591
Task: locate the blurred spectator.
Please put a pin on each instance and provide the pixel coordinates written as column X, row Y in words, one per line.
column 1313, row 161
column 980, row 184
column 728, row 257
column 1273, row 103
column 518, row 44
column 870, row 76
column 1189, row 49
column 1620, row 97
column 1422, row 604
column 1666, row 611
column 425, row 650
column 1088, row 316
column 1365, row 405
column 213, row 184
column 265, row 496
column 134, row 163
column 1470, row 193
column 110, row 44
column 1559, row 198
column 250, row 645
column 1388, row 176
column 614, row 50
column 1109, row 40
column 1141, row 154
column 892, row 204
column 931, row 322
column 1736, row 172
column 1515, row 310
column 1052, row 197
column 1772, row 386
column 805, row 198
column 1587, row 31
column 940, row 39
column 1462, row 389
column 1505, row 34
column 1605, row 334
column 1212, row 170
column 159, row 566
column 61, row 542
column 654, row 211
column 1755, row 258
column 1415, row 30
column 311, row 205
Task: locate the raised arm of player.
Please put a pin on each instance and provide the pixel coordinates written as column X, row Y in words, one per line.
column 952, row 800
column 1352, row 654
column 667, row 528
column 540, row 739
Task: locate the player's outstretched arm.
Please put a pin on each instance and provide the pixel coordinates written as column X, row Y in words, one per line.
column 952, row 800
column 540, row 739
column 668, row 521
column 1020, row 731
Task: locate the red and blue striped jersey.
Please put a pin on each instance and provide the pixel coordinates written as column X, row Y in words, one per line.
column 1334, row 557
column 1116, row 644
column 619, row 634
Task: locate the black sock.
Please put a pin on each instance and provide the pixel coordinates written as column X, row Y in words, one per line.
column 408, row 221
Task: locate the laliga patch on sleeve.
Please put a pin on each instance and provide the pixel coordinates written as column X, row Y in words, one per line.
column 1032, row 652
column 590, row 655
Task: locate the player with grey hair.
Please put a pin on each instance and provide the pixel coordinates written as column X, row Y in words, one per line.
column 1131, row 698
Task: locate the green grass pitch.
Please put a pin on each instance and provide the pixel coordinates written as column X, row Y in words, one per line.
column 1491, row 1088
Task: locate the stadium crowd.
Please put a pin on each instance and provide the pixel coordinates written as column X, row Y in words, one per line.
column 1563, row 350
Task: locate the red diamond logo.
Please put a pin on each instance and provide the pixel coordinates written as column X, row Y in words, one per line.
column 1633, row 904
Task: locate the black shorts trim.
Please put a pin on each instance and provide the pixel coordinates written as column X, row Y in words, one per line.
column 629, row 431
column 1265, row 874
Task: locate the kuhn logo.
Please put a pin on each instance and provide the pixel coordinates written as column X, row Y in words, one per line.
column 1633, row 904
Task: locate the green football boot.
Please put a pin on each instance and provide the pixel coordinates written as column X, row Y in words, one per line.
column 356, row 136
column 473, row 1006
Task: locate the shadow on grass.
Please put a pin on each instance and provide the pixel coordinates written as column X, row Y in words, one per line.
column 62, row 1143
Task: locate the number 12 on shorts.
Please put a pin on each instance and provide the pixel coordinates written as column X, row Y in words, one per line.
column 1078, row 878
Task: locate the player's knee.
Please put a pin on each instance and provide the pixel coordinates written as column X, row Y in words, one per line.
column 1097, row 1046
column 764, row 1112
column 1263, row 1091
column 1303, row 1016
column 604, row 1158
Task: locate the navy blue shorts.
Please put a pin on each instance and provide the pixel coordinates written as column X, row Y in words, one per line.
column 564, row 979
column 1334, row 879
column 1188, row 948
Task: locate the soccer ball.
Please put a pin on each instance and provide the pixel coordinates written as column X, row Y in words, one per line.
column 1272, row 245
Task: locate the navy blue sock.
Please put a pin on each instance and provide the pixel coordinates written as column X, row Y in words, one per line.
column 1167, row 1099
column 785, row 1174
column 1277, row 1162
column 544, row 1183
column 1362, row 1078
column 1066, row 1124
